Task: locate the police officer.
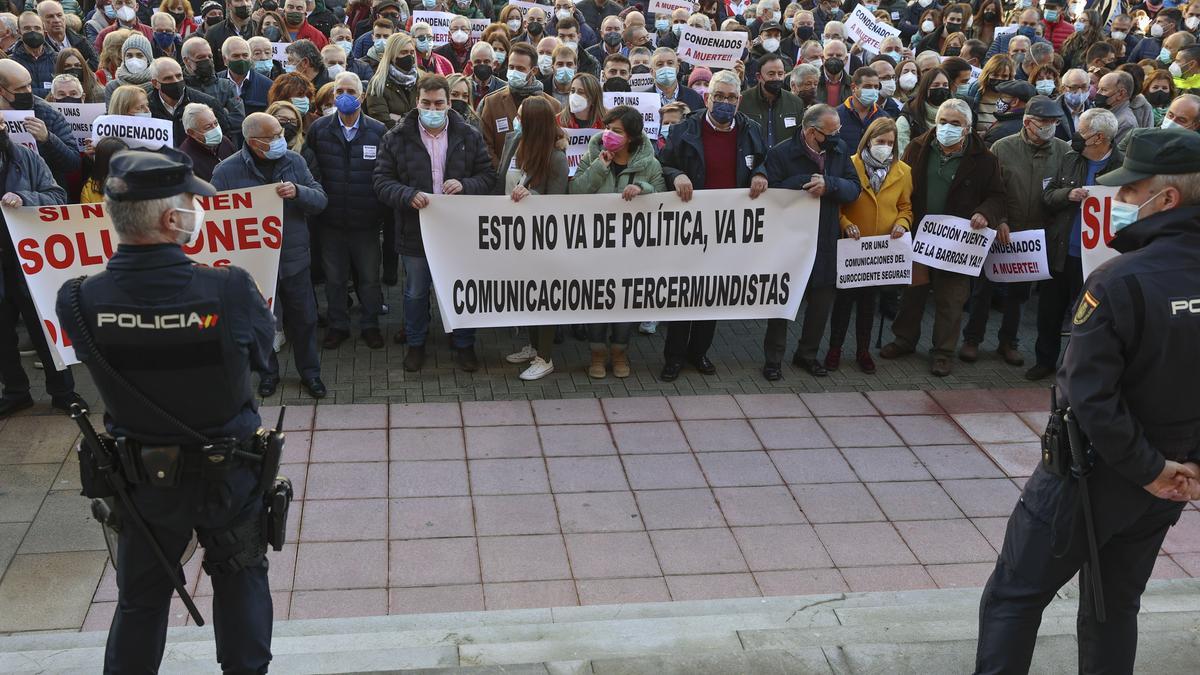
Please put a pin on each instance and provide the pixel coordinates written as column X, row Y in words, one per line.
column 1131, row 375
column 186, row 337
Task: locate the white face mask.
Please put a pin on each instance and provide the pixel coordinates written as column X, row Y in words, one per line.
column 881, row 153
column 1169, row 123
column 887, row 87
column 771, row 44
column 197, row 223
column 135, row 65
column 1192, row 22
column 514, row 25
column 1118, row 34
column 545, row 63
column 125, row 13
column 563, row 14
column 1156, row 30
column 927, row 26
column 908, row 81
column 459, row 36
column 577, row 103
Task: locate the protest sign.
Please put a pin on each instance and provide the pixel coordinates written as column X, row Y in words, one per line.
column 1004, row 30
column 1095, row 215
column 55, row 244
column 439, row 23
column 137, row 132
column 665, row 7
column 711, row 49
column 647, row 103
column 1023, row 258
column 641, row 81
column 600, row 259
column 279, row 51
column 874, row 261
column 526, row 6
column 867, row 31
column 577, row 145
column 14, row 124
column 949, row 243
column 80, row 116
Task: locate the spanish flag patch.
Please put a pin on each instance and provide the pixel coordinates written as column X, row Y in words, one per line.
column 1087, row 304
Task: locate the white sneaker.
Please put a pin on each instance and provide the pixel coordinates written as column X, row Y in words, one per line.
column 280, row 340
column 527, row 354
column 648, row 327
column 538, row 369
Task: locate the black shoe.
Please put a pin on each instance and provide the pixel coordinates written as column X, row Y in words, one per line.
column 813, row 366
column 267, row 385
column 415, row 358
column 466, row 359
column 373, row 338
column 315, row 387
column 63, row 402
column 772, row 372
column 670, row 371
column 703, row 365
column 334, row 338
column 400, row 337
column 1039, row 372
column 9, row 406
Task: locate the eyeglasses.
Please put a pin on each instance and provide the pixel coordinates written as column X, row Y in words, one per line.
column 722, row 98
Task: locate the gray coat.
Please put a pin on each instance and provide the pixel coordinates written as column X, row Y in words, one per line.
column 554, row 184
column 30, row 178
column 224, row 90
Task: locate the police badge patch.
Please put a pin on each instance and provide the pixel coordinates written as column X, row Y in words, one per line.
column 1087, row 304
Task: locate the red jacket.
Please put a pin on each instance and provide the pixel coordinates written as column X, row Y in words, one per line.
column 143, row 28
column 440, row 64
column 1058, row 32
column 307, row 32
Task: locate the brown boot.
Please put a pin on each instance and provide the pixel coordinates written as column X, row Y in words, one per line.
column 620, row 361
column 599, row 358
column 1010, row 354
column 968, row 352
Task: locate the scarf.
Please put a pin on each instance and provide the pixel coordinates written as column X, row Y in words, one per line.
column 876, row 171
column 531, row 87
column 402, row 78
column 126, row 77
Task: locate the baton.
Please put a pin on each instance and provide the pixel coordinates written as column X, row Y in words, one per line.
column 1081, row 472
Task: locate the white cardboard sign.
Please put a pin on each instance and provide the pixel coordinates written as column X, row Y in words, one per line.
column 874, row 261
column 950, row 243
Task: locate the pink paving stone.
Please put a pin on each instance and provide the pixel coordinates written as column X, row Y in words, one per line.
column 720, row 407
column 813, row 466
column 679, row 509
column 772, row 405
column 428, row 479
column 703, row 551
column 496, row 413
column 598, row 512
column 106, row 590
column 903, row 403
column 801, row 582
column 99, row 616
column 995, row 427
column 835, row 404
column 961, row 575
column 720, row 435
column 433, row 599
column 712, row 586
column 344, row 520
column 956, row 461
column 649, row 437
column 927, row 429
column 916, row 500
column 738, row 469
column 993, row 530
column 663, row 472
column 347, row 480
column 1016, row 459
column 497, row 442
column 1166, row 568
column 1184, row 537
column 297, row 418
column 864, row 544
column 339, row 604
column 515, row 514
column 968, row 400
column 353, row 564
column 280, row 574
column 431, row 517
column 983, row 497
column 885, row 464
column 859, row 431
column 530, row 594
column 355, row 445
column 524, row 558
column 433, row 562
column 1189, row 562
column 508, row 476
column 611, row 555
column 1035, row 420
column 413, row 444
column 938, row 542
column 621, row 591
column 637, row 409
column 785, row 434
column 409, row 415
column 298, row 474
column 767, row 505
column 586, row 474
column 887, row 578
column 296, row 446
column 568, row 411
column 358, row 416
column 781, row 547
column 837, row 502
column 576, row 440
column 1025, row 399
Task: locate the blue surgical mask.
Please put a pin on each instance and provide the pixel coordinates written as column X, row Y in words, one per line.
column 1125, row 214
column 277, row 148
column 661, row 25
column 564, row 75
column 963, row 90
column 1079, row 26
column 677, row 29
column 380, row 43
column 429, row 4
column 516, row 78
column 1052, row 15
column 213, row 136
column 1045, row 87
column 723, row 112
column 264, row 66
column 665, row 76
column 347, row 104
column 894, row 56
column 1076, row 99
column 948, row 134
column 500, row 56
column 346, row 46
column 1164, row 55
column 301, row 105
column 868, row 96
column 790, row 23
column 289, row 68
column 433, row 119
column 424, row 44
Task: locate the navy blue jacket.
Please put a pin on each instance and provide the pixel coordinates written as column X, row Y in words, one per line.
column 346, row 171
column 853, row 126
column 1000, row 44
column 60, row 150
column 688, row 96
column 41, row 70
column 684, row 152
column 254, row 91
column 1147, row 48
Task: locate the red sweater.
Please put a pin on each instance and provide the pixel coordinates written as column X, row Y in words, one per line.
column 720, row 157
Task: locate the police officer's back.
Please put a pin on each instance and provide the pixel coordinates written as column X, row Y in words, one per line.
column 183, row 337
column 1131, row 376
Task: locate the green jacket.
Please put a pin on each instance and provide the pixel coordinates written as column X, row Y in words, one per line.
column 643, row 170
column 1026, row 170
column 784, row 119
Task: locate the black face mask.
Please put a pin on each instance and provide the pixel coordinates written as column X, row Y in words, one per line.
column 406, row 63
column 1100, row 100
column 77, row 72
column 535, row 28
column 483, row 72
column 1078, row 142
column 612, row 39
column 834, row 65
column 241, row 12
column 289, row 131
column 990, row 17
column 272, row 33
column 178, row 16
column 805, row 33
column 270, row 5
column 173, row 90
column 1159, row 99
column 22, row 101
column 616, row 84
column 937, row 96
column 204, row 69
column 70, row 99
column 952, row 28
column 953, row 51
column 773, row 87
column 830, row 142
column 459, row 106
column 33, row 39
column 640, row 70
column 213, row 20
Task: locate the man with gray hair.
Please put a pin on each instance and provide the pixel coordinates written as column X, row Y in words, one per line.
column 170, row 97
column 206, row 145
column 1113, row 93
column 200, row 74
column 803, row 82
column 9, row 33
column 817, row 162
column 304, row 57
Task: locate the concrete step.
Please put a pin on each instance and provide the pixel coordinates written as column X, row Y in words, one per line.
column 915, row 631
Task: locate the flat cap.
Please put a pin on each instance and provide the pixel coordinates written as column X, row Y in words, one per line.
column 1154, row 152
column 1019, row 88
column 1042, row 106
column 153, row 174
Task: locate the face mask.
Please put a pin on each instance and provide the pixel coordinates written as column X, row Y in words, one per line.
column 1125, row 214
column 110, row 12
column 1028, row 32
column 174, row 90
column 805, row 33
column 517, row 79
column 70, row 99
column 1192, row 22
column 1169, row 123
column 459, row 37
column 301, row 105
column 545, row 63
column 1076, row 99
column 203, row 69
column 868, row 96
column 908, row 81
column 870, row 8
column 1080, row 26
column 459, row 106
column 197, row 221
column 834, row 65
column 564, row 75
column 678, row 28
column 927, row 26
column 135, row 65
column 990, row 16
column 925, row 3
column 1052, row 15
column 887, row 87
column 1002, row 106
column 380, row 43
column 289, row 68
column 662, row 25
column 1078, row 142
column 612, row 39
column 335, row 70
column 723, row 112
column 535, row 28
column 665, row 76
column 239, row 67
column 264, row 66
column 664, row 131
column 242, row 12
column 328, row 110
column 347, row 104
column 483, row 72
column 1164, row 55
column 789, row 23
column 213, row 136
column 514, row 25
column 894, row 56
column 126, row 14
column 1156, row 30
column 940, row 95
column 1101, row 100
column 577, row 103
column 1119, row 35
column 949, row 135
column 1044, row 133
column 771, row 44
column 424, row 44
column 830, row 142
column 33, row 39
column 612, row 141
column 276, row 149
column 1045, row 87
column 433, row 119
column 1176, row 71
column 145, row 113
column 962, row 90
column 293, row 18
column 1159, row 99
column 516, row 125
column 406, row 63
column 773, row 87
column 500, row 56
column 881, row 153
column 463, row 3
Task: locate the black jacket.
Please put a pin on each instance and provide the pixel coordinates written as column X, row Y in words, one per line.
column 216, row 36
column 159, row 112
column 684, row 152
column 1072, row 173
column 403, row 169
column 1007, row 124
column 346, row 171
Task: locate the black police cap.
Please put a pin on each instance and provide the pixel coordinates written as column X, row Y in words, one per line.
column 153, row 174
column 1154, row 152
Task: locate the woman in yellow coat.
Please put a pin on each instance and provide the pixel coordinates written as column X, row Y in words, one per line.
column 884, row 207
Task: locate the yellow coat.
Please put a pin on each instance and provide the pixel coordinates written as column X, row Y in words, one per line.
column 875, row 214
column 91, row 193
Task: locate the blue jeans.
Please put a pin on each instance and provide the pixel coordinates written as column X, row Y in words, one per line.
column 417, row 283
column 345, row 251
